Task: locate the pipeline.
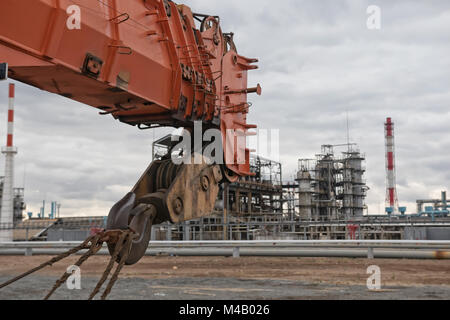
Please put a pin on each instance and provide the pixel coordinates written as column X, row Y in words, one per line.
column 275, row 252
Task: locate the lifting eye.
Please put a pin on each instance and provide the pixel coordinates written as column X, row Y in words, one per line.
column 208, row 23
column 229, row 42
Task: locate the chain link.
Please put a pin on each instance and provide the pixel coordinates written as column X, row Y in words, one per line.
column 122, row 241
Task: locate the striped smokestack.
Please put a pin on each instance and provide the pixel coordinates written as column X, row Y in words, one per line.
column 10, row 133
column 7, row 209
column 391, row 188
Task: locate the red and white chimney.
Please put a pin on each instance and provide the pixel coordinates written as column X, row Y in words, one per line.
column 391, row 188
column 7, row 209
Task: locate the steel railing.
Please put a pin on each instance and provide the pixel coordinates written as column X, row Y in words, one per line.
column 298, row 248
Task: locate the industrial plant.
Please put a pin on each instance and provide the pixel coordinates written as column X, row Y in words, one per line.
column 332, row 187
column 325, row 202
column 214, row 209
column 235, row 201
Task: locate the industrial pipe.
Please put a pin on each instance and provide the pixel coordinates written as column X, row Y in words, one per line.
column 245, row 252
column 348, row 248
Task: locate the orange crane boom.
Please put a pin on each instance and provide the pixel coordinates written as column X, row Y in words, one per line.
column 148, row 64
column 143, row 61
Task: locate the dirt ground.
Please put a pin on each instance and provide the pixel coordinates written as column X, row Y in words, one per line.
column 244, row 278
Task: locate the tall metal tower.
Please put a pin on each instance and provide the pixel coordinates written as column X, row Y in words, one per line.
column 391, row 187
column 7, row 210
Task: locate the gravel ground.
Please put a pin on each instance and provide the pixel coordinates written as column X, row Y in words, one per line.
column 36, row 287
column 191, row 278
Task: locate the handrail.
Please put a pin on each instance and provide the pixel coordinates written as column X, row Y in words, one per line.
column 254, row 243
column 265, row 248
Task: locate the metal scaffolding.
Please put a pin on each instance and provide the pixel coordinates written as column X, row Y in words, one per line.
column 332, row 187
column 18, row 202
column 258, row 194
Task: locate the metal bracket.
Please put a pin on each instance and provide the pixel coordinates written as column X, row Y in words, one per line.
column 118, row 108
column 121, row 18
column 3, row 71
column 92, row 66
column 122, row 49
column 194, row 192
column 168, row 8
column 148, row 127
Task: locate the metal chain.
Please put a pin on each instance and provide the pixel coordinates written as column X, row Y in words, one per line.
column 95, row 247
column 124, row 257
column 121, row 239
column 84, row 245
column 105, row 275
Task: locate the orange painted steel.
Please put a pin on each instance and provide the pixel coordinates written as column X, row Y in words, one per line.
column 143, row 61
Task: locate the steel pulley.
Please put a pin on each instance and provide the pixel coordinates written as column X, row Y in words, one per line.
column 139, row 212
column 125, row 215
column 165, row 192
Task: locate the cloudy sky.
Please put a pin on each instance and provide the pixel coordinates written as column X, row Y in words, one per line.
column 318, row 60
